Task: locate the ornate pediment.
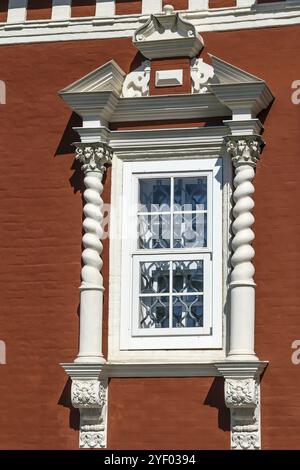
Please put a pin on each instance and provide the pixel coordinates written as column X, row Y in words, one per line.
column 167, row 34
column 108, row 77
column 226, row 73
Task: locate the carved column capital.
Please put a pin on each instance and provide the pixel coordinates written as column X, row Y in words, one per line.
column 244, row 149
column 94, row 156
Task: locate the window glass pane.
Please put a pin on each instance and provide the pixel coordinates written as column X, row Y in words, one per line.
column 155, row 277
column 154, row 312
column 187, row 311
column 154, row 194
column 190, row 194
column 187, row 276
column 154, row 231
column 190, row 230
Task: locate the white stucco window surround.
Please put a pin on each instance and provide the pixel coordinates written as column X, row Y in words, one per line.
column 178, row 274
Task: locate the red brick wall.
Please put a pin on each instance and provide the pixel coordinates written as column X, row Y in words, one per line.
column 83, row 8
column 171, row 64
column 40, row 10
column 221, row 3
column 177, row 4
column 128, row 7
column 3, row 10
column 40, row 245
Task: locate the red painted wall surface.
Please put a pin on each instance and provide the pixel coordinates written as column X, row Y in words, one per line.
column 128, row 7
column 3, row 10
column 40, row 10
column 40, row 246
column 83, row 8
column 182, row 63
column 221, row 3
column 177, row 4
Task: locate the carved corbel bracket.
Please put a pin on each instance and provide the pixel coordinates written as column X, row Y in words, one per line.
column 242, row 397
column 89, row 394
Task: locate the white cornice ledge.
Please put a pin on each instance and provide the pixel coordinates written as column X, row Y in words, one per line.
column 248, row 98
column 276, row 14
column 94, row 371
column 226, row 369
column 147, row 139
column 241, row 369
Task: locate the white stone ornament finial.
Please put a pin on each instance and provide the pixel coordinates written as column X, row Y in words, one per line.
column 168, row 9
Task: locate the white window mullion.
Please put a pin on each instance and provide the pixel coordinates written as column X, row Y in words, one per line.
column 172, row 213
column 171, row 296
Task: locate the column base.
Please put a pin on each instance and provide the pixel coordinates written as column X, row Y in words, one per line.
column 90, row 360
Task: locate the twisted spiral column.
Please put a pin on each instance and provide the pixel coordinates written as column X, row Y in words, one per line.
column 94, row 157
column 244, row 152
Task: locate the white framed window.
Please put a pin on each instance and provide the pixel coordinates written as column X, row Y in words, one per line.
column 171, row 277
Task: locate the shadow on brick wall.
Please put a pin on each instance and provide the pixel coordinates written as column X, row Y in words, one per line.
column 215, row 398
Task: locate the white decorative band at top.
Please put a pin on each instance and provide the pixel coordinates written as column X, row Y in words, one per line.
column 19, row 31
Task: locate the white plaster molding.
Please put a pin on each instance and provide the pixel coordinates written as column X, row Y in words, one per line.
column 204, row 140
column 136, row 83
column 244, row 127
column 105, row 8
column 154, row 6
column 107, row 77
column 201, row 73
column 198, row 4
column 242, row 397
column 155, row 108
column 61, row 10
column 284, row 13
column 17, row 11
column 245, row 3
column 165, row 78
column 94, row 157
column 182, row 368
column 96, row 96
column 167, row 34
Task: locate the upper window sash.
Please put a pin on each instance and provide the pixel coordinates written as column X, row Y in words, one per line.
column 163, row 226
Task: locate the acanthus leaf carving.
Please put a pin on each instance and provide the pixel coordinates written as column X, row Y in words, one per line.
column 245, row 149
column 88, row 393
column 245, row 441
column 136, row 82
column 201, row 73
column 93, row 156
column 242, row 398
column 240, row 392
column 90, row 396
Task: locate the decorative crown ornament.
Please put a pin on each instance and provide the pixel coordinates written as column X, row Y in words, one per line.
column 244, row 149
column 94, row 156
